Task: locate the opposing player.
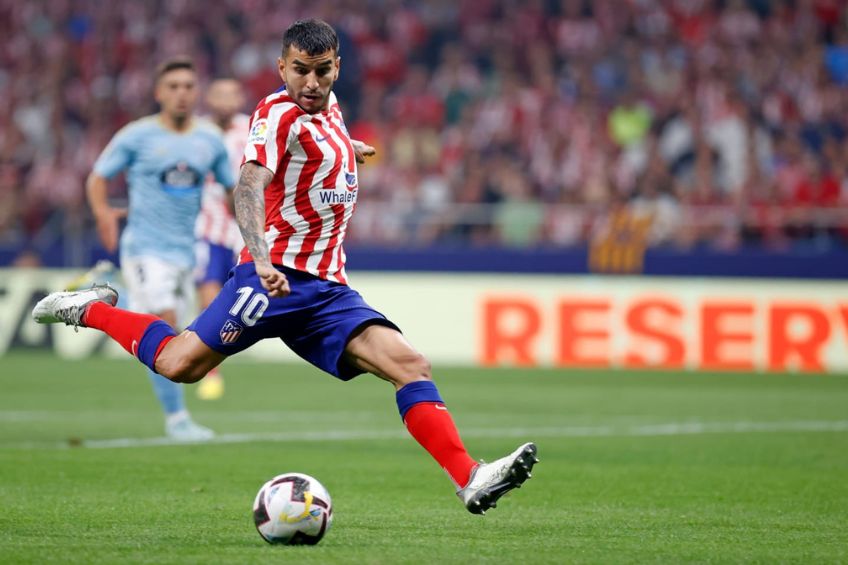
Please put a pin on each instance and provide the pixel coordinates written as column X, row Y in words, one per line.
column 218, row 237
column 166, row 157
column 293, row 201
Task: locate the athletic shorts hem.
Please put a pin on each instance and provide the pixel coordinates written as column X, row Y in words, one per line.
column 218, row 348
column 344, row 370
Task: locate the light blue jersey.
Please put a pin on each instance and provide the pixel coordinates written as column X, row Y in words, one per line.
column 165, row 176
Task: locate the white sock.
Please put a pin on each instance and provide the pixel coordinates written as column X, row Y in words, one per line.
column 176, row 417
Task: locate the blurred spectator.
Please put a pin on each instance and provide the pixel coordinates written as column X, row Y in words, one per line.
column 10, row 202
column 723, row 121
column 518, row 217
column 629, row 121
column 27, row 259
column 836, row 58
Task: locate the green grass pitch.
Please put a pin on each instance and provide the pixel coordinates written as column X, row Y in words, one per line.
column 635, row 467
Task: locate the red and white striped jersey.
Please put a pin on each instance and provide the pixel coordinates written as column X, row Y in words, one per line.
column 313, row 193
column 216, row 223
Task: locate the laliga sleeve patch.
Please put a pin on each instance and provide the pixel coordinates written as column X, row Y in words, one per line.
column 258, row 132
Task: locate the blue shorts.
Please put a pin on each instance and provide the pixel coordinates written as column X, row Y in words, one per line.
column 316, row 320
column 213, row 262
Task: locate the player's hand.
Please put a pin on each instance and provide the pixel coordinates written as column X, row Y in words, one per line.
column 273, row 281
column 362, row 150
column 107, row 226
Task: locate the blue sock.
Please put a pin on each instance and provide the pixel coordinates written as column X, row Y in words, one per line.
column 150, row 340
column 415, row 393
column 169, row 393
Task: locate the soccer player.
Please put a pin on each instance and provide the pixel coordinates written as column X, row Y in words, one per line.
column 166, row 157
column 294, row 198
column 218, row 236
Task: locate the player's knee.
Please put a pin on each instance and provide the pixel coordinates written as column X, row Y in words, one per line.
column 182, row 370
column 424, row 367
column 417, row 367
column 189, row 373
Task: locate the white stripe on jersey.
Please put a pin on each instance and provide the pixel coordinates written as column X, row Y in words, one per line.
column 326, row 215
column 326, row 234
column 288, row 212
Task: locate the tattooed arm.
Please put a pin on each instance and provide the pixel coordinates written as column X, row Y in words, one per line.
column 249, row 196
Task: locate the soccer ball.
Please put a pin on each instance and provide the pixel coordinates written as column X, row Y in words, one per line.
column 293, row 509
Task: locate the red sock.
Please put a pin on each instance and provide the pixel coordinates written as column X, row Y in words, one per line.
column 431, row 425
column 123, row 326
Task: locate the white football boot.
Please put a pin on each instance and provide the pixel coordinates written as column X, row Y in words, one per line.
column 69, row 306
column 184, row 429
column 490, row 481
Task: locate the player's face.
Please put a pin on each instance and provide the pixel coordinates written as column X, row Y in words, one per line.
column 176, row 93
column 224, row 98
column 309, row 78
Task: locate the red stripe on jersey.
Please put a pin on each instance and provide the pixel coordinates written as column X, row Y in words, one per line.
column 338, row 209
column 333, row 175
column 275, row 198
column 351, row 157
column 340, row 274
column 338, row 234
column 336, row 110
column 274, row 215
column 327, row 258
column 302, row 202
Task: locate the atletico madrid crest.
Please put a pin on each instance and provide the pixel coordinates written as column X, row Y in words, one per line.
column 230, row 332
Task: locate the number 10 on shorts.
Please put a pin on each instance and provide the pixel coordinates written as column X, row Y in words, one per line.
column 250, row 305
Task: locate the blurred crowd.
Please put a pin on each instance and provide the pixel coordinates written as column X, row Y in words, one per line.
column 519, row 122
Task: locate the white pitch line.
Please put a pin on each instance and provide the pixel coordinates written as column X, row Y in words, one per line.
column 646, row 430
